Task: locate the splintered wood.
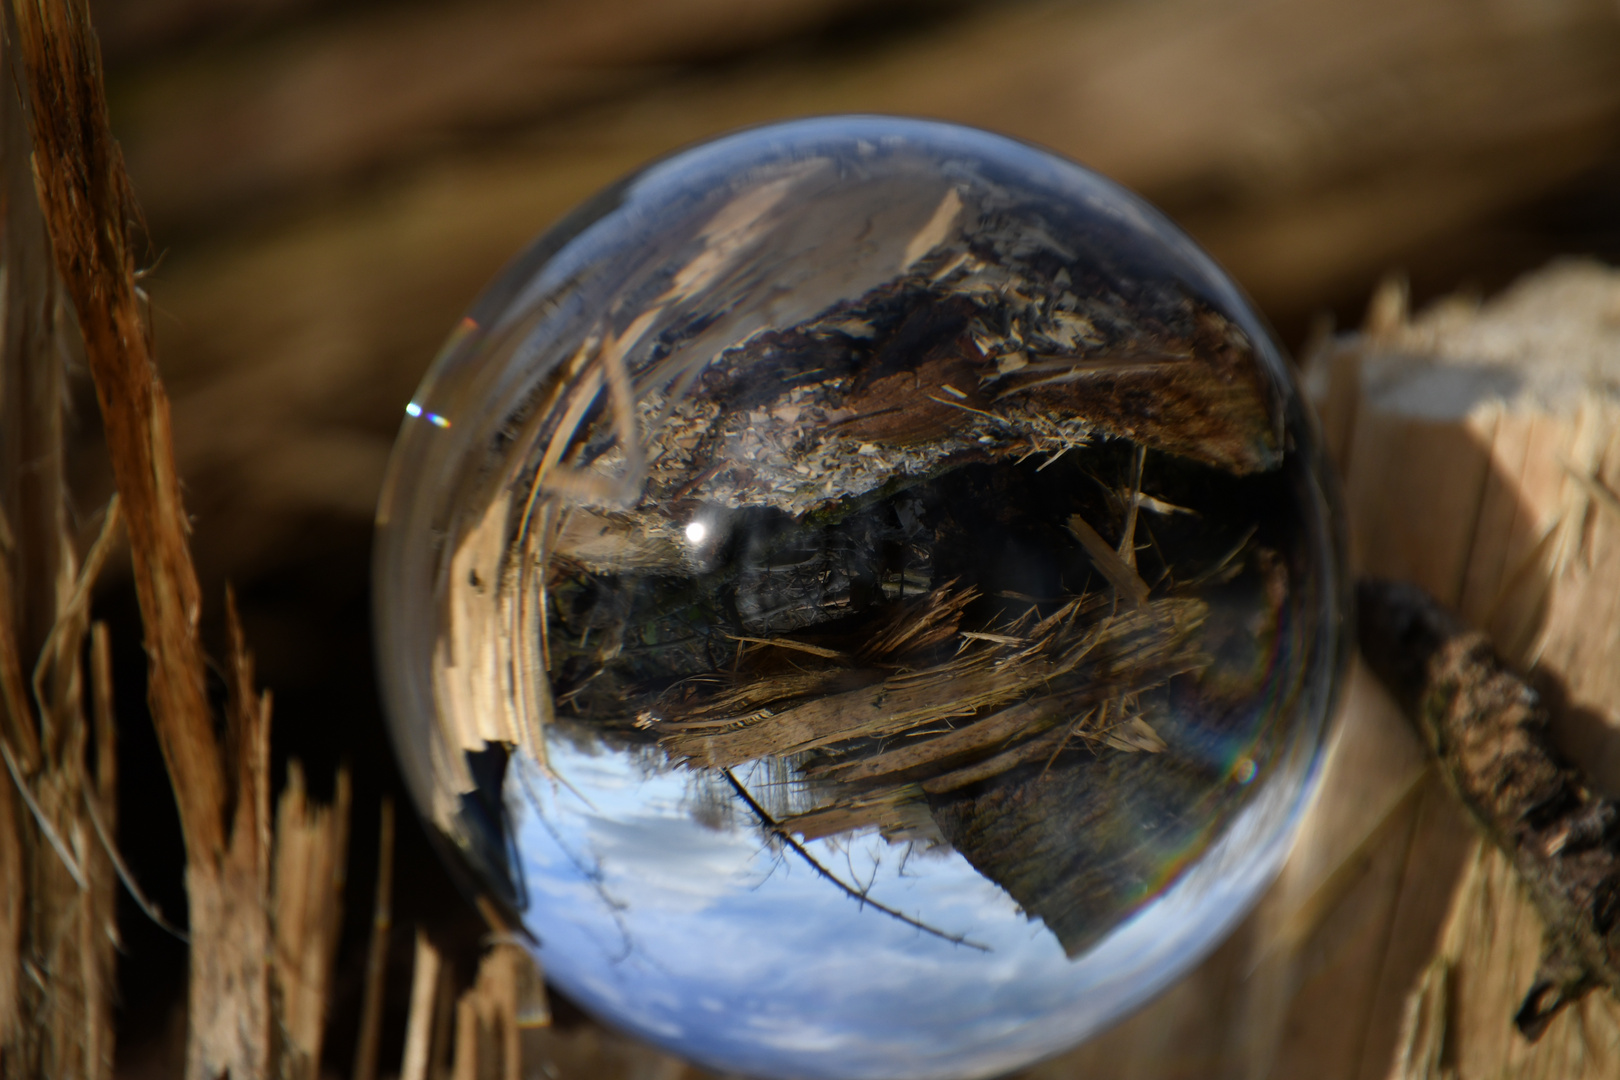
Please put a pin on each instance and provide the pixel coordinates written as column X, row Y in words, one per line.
column 478, row 1035
column 1478, row 445
column 309, row 869
column 259, row 979
column 1488, row 954
column 223, row 797
column 1142, row 650
column 1493, row 458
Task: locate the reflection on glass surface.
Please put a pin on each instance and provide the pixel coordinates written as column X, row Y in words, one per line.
column 861, row 594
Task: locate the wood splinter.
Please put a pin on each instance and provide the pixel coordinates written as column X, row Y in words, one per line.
column 1489, row 731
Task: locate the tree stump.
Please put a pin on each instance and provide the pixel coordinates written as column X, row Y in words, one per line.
column 1480, row 446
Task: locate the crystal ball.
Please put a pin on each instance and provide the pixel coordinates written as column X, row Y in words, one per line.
column 862, row 598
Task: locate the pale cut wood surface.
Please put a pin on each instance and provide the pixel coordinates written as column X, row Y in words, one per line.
column 1482, row 453
column 425, row 993
column 369, row 1030
column 1481, row 449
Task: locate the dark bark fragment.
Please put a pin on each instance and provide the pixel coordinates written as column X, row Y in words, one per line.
column 1489, row 731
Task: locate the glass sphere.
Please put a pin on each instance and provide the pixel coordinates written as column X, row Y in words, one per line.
column 863, row 596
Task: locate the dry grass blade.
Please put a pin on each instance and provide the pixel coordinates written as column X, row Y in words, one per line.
column 11, row 911
column 92, row 220
column 19, row 721
column 1127, row 536
column 922, row 623
column 13, row 695
column 1135, row 735
column 792, row 646
column 101, row 697
column 1070, row 370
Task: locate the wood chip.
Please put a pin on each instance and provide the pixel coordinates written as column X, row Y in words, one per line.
column 1125, row 580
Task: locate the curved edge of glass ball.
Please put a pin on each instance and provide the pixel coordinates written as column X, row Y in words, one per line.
column 464, row 414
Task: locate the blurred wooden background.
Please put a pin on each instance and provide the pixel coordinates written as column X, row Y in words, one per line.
column 328, row 183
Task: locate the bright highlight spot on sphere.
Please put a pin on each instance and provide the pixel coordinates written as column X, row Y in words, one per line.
column 696, row 532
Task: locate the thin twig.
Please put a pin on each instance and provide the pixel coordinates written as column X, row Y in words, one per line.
column 789, row 643
column 149, row 909
column 783, row 835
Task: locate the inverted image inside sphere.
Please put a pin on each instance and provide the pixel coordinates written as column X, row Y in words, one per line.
column 862, row 595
